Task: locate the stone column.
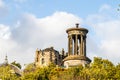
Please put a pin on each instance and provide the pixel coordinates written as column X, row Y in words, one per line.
column 85, row 46
column 68, row 45
column 81, row 45
column 71, row 45
column 76, row 44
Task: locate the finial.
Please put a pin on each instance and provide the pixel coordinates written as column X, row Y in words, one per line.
column 77, row 25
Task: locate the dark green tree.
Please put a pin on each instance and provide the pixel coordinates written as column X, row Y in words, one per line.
column 17, row 64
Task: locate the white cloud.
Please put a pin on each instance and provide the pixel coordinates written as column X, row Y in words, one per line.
column 110, row 40
column 106, row 35
column 111, row 47
column 7, row 45
column 31, row 32
column 110, row 29
column 2, row 3
column 42, row 30
column 4, row 32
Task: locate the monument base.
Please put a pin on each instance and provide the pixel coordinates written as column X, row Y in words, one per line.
column 76, row 60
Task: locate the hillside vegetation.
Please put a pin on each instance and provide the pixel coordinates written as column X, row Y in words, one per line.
column 100, row 69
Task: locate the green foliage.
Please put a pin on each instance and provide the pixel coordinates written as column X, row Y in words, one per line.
column 32, row 73
column 100, row 69
column 117, row 75
column 101, row 63
column 6, row 73
column 16, row 64
column 29, row 68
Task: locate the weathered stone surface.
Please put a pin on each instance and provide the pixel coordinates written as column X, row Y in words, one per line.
column 76, row 47
column 47, row 56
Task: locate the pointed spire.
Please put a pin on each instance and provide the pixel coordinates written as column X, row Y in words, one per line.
column 6, row 60
column 6, row 57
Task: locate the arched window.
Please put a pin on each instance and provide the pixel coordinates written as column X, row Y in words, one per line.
column 43, row 61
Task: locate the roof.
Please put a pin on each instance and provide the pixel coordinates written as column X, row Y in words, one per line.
column 79, row 29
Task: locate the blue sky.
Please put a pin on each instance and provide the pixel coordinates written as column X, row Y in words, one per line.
column 44, row 8
column 29, row 24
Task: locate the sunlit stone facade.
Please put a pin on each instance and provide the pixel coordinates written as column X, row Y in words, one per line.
column 76, row 47
column 47, row 56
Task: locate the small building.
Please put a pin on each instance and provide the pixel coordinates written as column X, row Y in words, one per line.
column 49, row 55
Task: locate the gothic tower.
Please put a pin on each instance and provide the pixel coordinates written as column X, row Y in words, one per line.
column 76, row 47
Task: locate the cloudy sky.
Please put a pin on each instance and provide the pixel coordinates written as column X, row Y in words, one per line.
column 26, row 25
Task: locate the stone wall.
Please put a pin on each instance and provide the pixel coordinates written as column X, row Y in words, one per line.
column 47, row 56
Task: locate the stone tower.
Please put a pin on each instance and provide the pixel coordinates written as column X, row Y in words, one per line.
column 46, row 56
column 76, row 47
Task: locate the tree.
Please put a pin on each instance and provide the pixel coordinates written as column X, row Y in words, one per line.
column 16, row 64
column 117, row 75
column 6, row 73
column 102, row 69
